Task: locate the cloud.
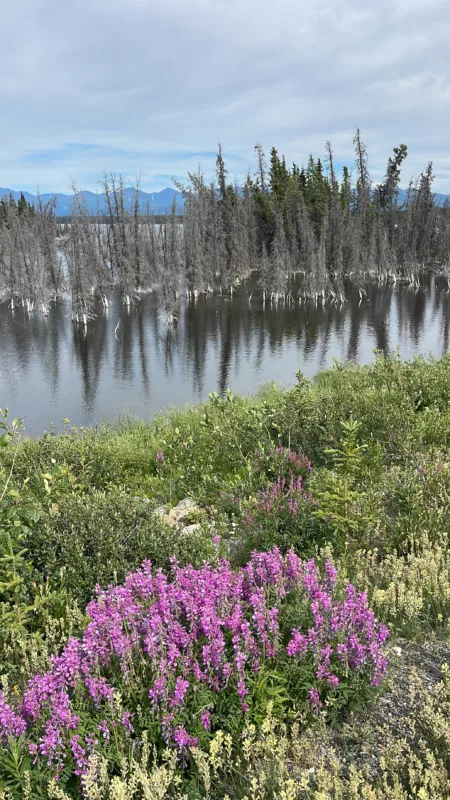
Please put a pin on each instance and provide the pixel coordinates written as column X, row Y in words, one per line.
column 137, row 86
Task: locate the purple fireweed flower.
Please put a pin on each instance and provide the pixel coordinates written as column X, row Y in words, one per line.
column 91, row 741
column 298, row 645
column 180, row 690
column 103, row 727
column 212, row 627
column 331, row 573
column 315, row 700
column 160, row 457
column 205, row 717
column 79, row 754
column 282, row 460
column 126, row 721
column 11, row 724
column 286, row 496
column 183, row 740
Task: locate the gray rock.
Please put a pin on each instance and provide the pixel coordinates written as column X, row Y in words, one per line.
column 187, row 504
column 191, row 528
column 179, row 513
column 161, row 510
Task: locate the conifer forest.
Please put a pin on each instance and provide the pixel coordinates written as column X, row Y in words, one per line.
column 294, row 234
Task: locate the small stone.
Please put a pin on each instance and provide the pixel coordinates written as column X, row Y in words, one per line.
column 186, row 504
column 161, row 510
column 191, row 528
column 183, row 510
column 176, row 514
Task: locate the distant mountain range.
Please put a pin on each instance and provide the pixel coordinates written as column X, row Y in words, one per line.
column 159, row 202
column 439, row 199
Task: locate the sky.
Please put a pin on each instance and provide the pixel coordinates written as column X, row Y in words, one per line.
column 148, row 88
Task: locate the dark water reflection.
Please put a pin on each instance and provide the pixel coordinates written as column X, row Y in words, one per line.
column 50, row 369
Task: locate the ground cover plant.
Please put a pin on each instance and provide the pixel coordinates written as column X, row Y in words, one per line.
column 238, row 656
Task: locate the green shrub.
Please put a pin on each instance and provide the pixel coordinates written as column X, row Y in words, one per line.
column 96, row 538
column 417, row 499
column 395, row 402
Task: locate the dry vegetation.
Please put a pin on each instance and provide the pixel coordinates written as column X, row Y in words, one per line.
column 284, row 222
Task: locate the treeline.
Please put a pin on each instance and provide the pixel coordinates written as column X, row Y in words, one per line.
column 65, row 220
column 30, row 270
column 285, row 221
column 22, row 207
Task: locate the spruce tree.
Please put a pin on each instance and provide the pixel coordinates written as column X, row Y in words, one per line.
column 22, row 205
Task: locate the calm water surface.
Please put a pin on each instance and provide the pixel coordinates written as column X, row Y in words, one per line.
column 51, row 369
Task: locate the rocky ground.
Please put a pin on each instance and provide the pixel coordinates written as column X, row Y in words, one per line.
column 399, row 714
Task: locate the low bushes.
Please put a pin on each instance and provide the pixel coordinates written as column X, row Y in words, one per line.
column 344, row 482
column 180, row 657
column 97, row 537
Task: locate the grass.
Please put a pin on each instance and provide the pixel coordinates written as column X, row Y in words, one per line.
column 78, row 511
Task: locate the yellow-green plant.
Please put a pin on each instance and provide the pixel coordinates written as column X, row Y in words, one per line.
column 410, row 591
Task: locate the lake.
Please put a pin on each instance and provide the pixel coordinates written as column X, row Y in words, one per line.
column 129, row 360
